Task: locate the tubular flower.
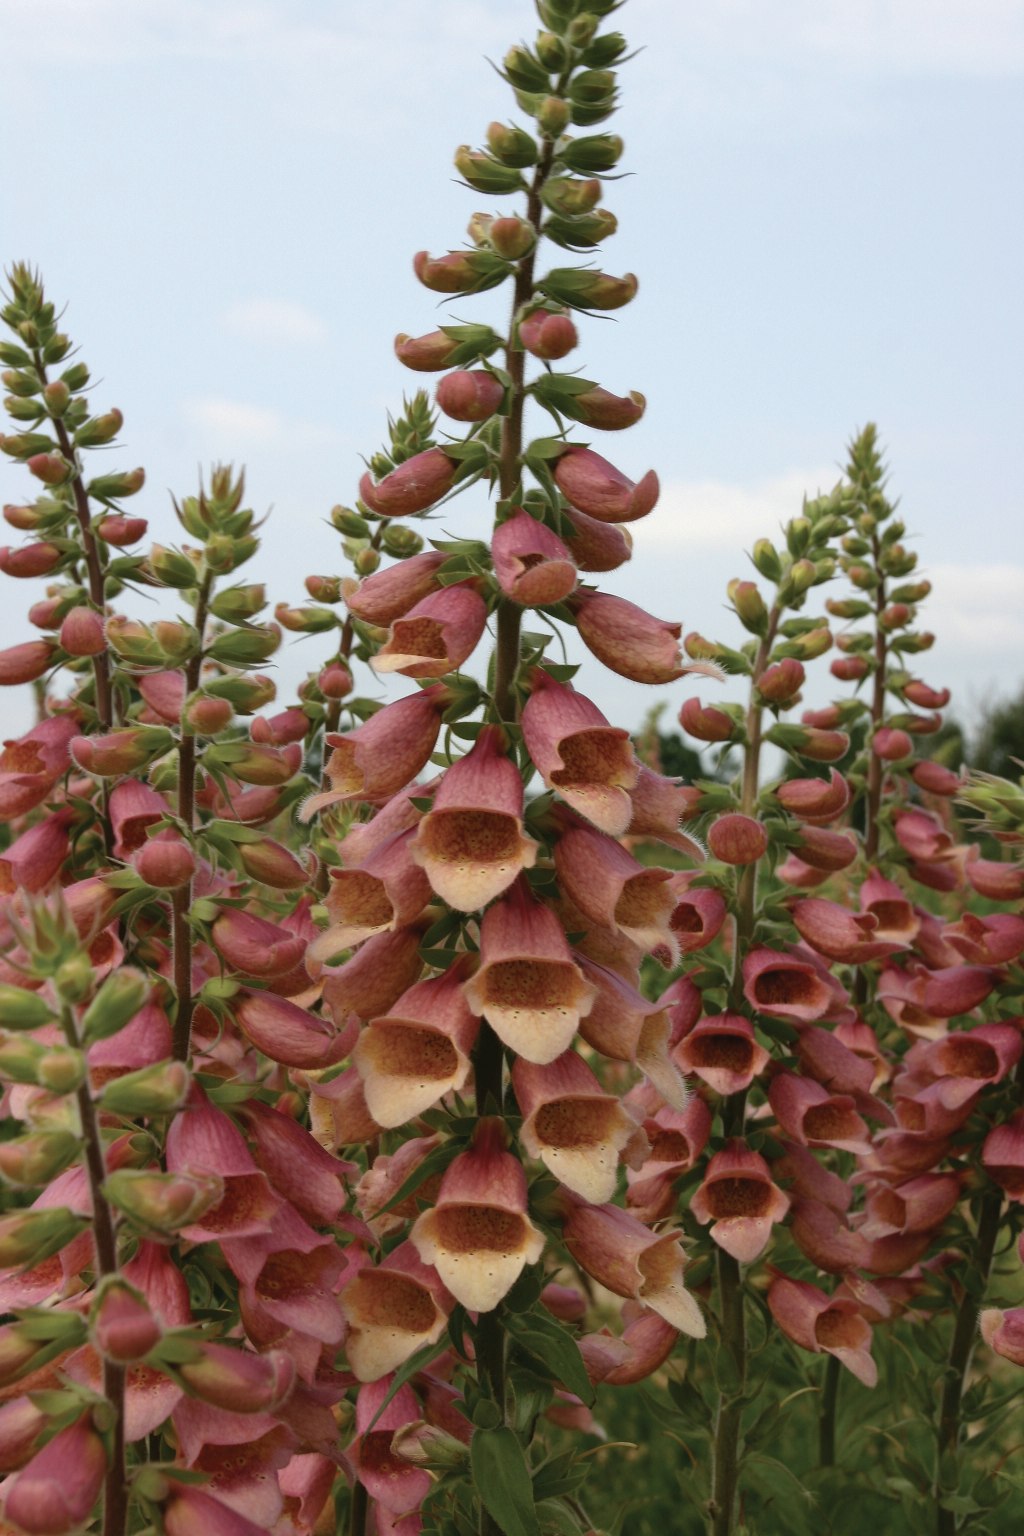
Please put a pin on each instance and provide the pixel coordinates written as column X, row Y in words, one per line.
column 412, row 487
column 627, row 639
column 814, row 1117
column 412, row 1057
column 818, row 1322
column 785, row 987
column 601, row 491
column 385, row 892
column 387, row 595
column 619, row 1252
column 576, row 1130
column 471, row 844
column 55, row 1493
column 380, row 757
column 528, row 987
column 532, row 564
column 436, row 635
column 478, row 1236
column 722, row 1052
column 392, row 1311
column 611, row 888
column 596, row 546
column 589, row 762
column 738, row 1197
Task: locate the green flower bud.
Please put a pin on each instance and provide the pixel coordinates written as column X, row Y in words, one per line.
column 581, row 289
column 28, row 1162
column 305, row 621
column 798, row 536
column 568, row 196
column 243, row 647
column 597, row 153
column 583, row 233
column 172, row 568
column 245, row 694
column 485, row 174
column 162, row 1202
column 29, row 1237
column 119, row 999
column 14, row 357
column 236, row 604
column 117, row 487
column 848, row 608
column 602, row 51
column 57, row 347
column 99, row 429
column 553, row 116
column 766, row 560
column 366, row 562
column 580, row 31
column 400, row 541
column 524, row 71
column 22, row 385
column 347, row 521
column 26, row 411
column 21, row 1009
column 749, row 606
column 158, row 1089
column 76, row 377
column 552, row 52
column 512, row 146
column 57, row 398
column 74, row 978
column 591, row 86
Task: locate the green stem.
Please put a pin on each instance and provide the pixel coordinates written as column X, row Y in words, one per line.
column 181, row 899
column 875, row 772
column 965, row 1333
column 358, row 1510
column 729, row 1413
column 827, row 1417
column 115, row 1492
column 94, row 570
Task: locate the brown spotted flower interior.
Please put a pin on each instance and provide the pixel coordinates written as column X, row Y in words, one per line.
column 575, row 1122
column 418, row 637
column 733, row 1053
column 383, row 1299
column 597, row 756
column 411, row 1050
column 479, row 1229
column 465, row 837
column 531, row 984
column 729, row 1198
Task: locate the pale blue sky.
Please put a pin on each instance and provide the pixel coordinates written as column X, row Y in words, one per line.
column 827, row 219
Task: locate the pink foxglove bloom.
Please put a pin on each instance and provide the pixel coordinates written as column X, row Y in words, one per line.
column 818, row 1322
column 374, row 977
column 969, row 1058
column 470, row 394
column 238, row 1380
column 386, row 892
column 31, row 765
column 436, row 635
column 409, row 1059
column 189, row 1511
column 290, row 1034
column 35, row 858
column 477, row 1235
column 737, row 839
column 134, row 808
column 660, row 804
column 1003, row 1331
column 55, row 1493
column 834, row 931
column 815, row 1118
column 383, row 755
column 992, row 940
column 596, row 546
column 395, row 1486
column 25, row 663
column 613, row 889
column 595, row 487
column 576, row 752
column 824, row 1236
column 998, row 881
column 627, row 639
column 388, row 594
column 697, row 916
column 817, row 801
column 415, row 485
column 644, row 1345
column 784, row 986
column 532, row 564
column 1003, row 1156
column 825, row 850
column 252, row 946
column 625, row 1026
column 623, row 1255
column 471, row 844
column 722, row 1052
column 919, row 1205
column 528, row 987
column 576, row 1129
column 738, row 1197
column 895, row 917
column 392, row 1310
column 204, row 1140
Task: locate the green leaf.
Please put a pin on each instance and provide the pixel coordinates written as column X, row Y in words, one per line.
column 501, row 1478
column 554, row 1348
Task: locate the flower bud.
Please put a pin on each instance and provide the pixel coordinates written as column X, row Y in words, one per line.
column 484, row 173
column 120, row 752
column 35, row 1160
column 512, row 146
column 50, row 468
column 595, row 407
column 165, row 862
column 27, row 662
column 818, row 746
column 445, row 348
column 324, row 589
column 892, row 746
column 512, row 238
column 305, row 621
column 706, row 723
column 116, row 487
column 206, row 716
column 581, row 233
column 272, row 864
column 21, row 1009
column 158, row 1089
column 597, row 154
column 850, row 669
column 238, row 1381
column 99, row 430
column 56, row 1492
column 82, row 633
column 29, row 1237
column 524, row 72
column 120, row 531
column 119, row 999
column 25, row 519
column 471, row 395
column 547, row 335
column 737, row 839
column 246, row 694
column 243, row 647
column 749, row 606
column 460, row 271
column 583, row 289
column 335, row 681
column 31, row 560
column 628, row 640
column 781, row 682
column 416, row 484
column 766, row 560
column 123, row 1327
column 568, row 197
column 162, row 1203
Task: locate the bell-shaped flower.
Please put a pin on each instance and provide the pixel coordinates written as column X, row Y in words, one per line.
column 576, row 752
column 289, row 1034
column 659, row 805
column 412, row 487
column 824, row 850
column 918, row 1205
column 392, row 1310
column 1002, row 1156
column 410, row 1058
column 784, row 986
column 395, row 1486
column 676, row 1138
column 528, row 986
column 471, row 843
column 923, row 836
column 31, row 765
column 737, row 1195
column 386, row 892
column 1003, row 1331
column 189, row 1511
column 642, row 1348
column 36, row 857
column 202, row 1139
column 994, row 879
column 821, row 1323
column 385, row 596
column 721, row 1050
column 895, row 918
column 533, row 566
column 338, row 1112
column 817, row 801
column 595, row 487
column 238, row 1380
column 970, row 1058
column 994, row 940
column 626, row 1026
column 252, row 946
column 815, row 1118
column 626, row 1257
column 385, row 753
column 576, row 1129
column 595, row 546
column 627, row 639
column 375, row 976
column 698, row 915
column 478, row 1236
column 436, row 635
column 55, row 1493
column 296, row 1165
column 387, row 1176
column 825, row 1237
column 613, row 889
column 839, row 934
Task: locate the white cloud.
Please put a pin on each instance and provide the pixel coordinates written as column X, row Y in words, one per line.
column 234, row 426
column 978, row 610
column 705, row 515
column 281, row 321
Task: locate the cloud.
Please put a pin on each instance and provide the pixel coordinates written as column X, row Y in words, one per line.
column 280, row 321
column 977, row 610
column 706, row 515
column 234, row 426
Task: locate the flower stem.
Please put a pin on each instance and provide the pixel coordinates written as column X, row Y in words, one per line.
column 359, row 1508
column 181, row 899
column 827, row 1417
column 960, row 1350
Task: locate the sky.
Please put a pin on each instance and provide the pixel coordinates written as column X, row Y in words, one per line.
column 823, row 205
